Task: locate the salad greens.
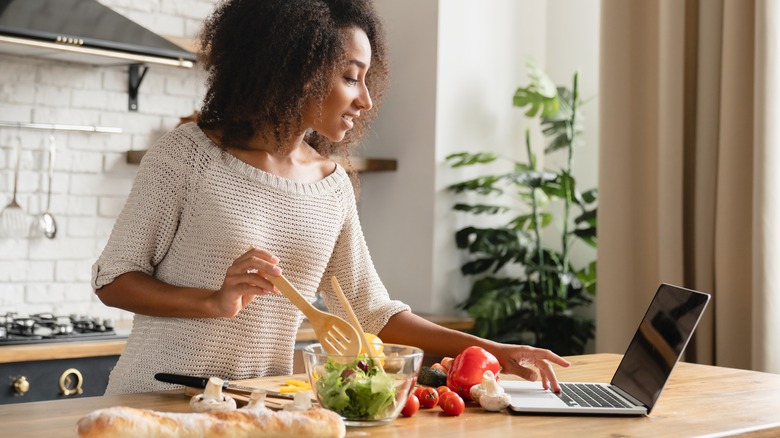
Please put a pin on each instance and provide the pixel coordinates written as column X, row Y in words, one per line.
column 356, row 390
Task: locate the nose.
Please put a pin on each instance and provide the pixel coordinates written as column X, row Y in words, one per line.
column 363, row 100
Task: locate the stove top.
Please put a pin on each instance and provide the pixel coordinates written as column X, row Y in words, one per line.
column 46, row 327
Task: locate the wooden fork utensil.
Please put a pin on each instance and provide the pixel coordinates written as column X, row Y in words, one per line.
column 336, row 335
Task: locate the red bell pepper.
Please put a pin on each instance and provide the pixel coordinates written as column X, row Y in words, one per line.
column 467, row 369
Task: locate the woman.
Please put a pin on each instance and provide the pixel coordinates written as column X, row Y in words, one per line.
column 290, row 82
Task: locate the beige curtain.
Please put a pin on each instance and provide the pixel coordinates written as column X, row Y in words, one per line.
column 689, row 157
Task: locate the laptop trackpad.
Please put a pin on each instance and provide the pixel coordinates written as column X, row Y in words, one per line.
column 526, row 394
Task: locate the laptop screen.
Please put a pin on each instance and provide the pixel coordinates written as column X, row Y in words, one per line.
column 659, row 342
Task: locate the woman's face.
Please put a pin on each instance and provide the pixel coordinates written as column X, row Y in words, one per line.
column 349, row 95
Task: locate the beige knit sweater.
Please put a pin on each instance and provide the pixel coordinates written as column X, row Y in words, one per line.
column 193, row 209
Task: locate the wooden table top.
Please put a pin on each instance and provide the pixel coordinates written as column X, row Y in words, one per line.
column 699, row 400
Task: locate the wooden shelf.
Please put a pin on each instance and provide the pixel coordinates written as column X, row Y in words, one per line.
column 358, row 163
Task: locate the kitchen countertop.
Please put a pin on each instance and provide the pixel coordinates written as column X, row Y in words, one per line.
column 698, row 400
column 112, row 347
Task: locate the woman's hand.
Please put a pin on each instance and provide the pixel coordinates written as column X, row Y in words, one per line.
column 245, row 279
column 519, row 360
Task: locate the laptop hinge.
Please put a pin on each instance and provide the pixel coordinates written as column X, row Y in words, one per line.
column 627, row 396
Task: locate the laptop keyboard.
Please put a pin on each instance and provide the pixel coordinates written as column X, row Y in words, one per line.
column 596, row 396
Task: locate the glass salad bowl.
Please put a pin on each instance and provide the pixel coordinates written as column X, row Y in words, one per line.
column 362, row 391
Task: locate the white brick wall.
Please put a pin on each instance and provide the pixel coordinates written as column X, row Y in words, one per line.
column 91, row 179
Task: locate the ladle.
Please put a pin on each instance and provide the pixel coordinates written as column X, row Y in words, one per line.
column 46, row 222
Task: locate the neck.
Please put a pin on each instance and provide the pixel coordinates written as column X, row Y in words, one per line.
column 293, row 159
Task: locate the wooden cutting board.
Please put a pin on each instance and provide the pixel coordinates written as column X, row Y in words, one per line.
column 267, row 383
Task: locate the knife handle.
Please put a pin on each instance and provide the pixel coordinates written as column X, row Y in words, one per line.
column 194, row 382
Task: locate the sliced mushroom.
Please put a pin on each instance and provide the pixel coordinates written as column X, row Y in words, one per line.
column 212, row 398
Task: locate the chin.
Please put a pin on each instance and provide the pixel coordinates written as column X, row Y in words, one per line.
column 334, row 138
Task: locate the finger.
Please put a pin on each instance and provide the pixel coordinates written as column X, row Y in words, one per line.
column 539, row 354
column 552, row 383
column 526, row 373
column 239, row 275
column 545, row 381
column 263, row 254
column 548, row 376
column 554, row 358
column 254, row 265
column 254, row 279
column 263, row 265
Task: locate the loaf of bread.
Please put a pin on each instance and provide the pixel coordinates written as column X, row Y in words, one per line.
column 120, row 422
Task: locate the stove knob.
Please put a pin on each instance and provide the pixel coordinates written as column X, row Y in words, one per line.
column 21, row 385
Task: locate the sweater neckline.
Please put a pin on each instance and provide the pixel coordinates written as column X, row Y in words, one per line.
column 325, row 185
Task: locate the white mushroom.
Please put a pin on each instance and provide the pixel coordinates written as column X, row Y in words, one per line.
column 301, row 402
column 489, row 394
column 212, row 398
column 256, row 401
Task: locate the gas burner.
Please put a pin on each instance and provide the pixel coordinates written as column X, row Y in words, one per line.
column 47, row 327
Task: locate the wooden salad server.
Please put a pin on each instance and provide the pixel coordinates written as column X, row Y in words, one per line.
column 336, row 335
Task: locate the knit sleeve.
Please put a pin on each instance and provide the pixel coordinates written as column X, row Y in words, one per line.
column 352, row 265
column 147, row 224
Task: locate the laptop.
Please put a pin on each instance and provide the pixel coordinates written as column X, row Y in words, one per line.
column 656, row 348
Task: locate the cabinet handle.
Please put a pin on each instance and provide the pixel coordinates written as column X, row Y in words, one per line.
column 66, row 382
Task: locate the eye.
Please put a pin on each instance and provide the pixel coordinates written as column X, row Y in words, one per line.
column 351, row 81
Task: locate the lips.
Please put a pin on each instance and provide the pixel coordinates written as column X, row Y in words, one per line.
column 349, row 119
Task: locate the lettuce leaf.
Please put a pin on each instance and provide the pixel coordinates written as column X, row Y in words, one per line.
column 356, row 394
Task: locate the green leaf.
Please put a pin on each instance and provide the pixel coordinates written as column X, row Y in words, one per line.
column 477, row 266
column 587, row 217
column 560, row 141
column 587, row 276
column 483, row 185
column 590, row 196
column 467, row 159
column 540, row 96
column 533, row 179
column 568, row 185
column 481, row 209
column 588, row 235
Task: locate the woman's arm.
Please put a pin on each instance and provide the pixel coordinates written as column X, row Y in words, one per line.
column 141, row 293
column 409, row 329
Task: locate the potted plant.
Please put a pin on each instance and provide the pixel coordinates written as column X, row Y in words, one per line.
column 526, row 289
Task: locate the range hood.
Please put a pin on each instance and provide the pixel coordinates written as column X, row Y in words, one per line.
column 83, row 31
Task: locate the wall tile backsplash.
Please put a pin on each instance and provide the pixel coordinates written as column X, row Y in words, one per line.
column 91, row 178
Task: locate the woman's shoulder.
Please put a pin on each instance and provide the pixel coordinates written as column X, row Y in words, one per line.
column 187, row 145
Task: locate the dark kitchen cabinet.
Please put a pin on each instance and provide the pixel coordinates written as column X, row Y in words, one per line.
column 57, row 379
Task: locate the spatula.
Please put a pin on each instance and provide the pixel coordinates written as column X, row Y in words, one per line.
column 352, row 317
column 13, row 220
column 336, row 335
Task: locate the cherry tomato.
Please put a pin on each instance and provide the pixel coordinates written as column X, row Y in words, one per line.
column 441, row 390
column 447, row 363
column 452, row 404
column 419, row 392
column 440, row 367
column 411, row 406
column 428, row 397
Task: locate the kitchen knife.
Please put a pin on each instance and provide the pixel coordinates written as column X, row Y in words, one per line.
column 200, row 382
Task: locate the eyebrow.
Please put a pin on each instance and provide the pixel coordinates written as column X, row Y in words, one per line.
column 357, row 63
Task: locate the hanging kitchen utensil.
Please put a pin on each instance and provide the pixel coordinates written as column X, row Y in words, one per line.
column 13, row 219
column 46, row 223
column 353, row 318
column 336, row 335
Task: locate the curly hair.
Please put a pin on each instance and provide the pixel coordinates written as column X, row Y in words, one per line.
column 266, row 59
